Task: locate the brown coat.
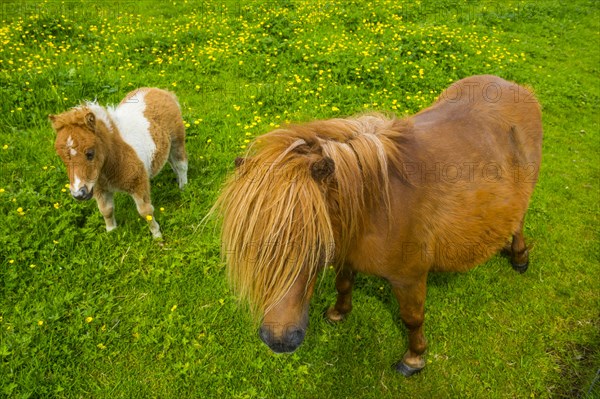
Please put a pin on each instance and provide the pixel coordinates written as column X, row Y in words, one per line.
column 442, row 190
column 120, row 149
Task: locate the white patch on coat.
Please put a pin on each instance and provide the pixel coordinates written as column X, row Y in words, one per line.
column 135, row 129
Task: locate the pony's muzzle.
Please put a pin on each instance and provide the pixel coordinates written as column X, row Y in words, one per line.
column 82, row 194
column 287, row 342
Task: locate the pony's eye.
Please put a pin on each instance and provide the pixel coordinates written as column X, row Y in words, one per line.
column 89, row 154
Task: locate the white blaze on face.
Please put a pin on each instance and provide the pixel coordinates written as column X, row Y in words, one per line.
column 70, row 143
column 76, row 184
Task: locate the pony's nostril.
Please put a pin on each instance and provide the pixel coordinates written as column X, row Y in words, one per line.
column 82, row 194
column 265, row 335
column 295, row 338
column 288, row 342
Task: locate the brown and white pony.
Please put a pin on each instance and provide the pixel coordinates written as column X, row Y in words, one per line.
column 443, row 190
column 120, row 148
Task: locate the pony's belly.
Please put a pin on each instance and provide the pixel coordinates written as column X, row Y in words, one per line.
column 463, row 256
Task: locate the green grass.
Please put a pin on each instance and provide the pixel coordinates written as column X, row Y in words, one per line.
column 84, row 313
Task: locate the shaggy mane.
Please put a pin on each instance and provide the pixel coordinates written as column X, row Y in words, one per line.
column 277, row 219
column 76, row 116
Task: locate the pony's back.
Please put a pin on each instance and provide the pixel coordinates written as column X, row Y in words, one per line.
column 474, row 163
column 149, row 120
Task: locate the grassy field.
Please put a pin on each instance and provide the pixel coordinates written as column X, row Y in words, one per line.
column 85, row 313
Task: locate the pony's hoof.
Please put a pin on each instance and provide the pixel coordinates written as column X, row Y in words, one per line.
column 333, row 316
column 520, row 268
column 406, row 370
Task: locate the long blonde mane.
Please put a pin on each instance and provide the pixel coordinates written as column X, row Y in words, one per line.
column 278, row 219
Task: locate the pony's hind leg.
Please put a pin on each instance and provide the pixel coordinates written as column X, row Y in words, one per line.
column 519, row 254
column 178, row 159
column 343, row 305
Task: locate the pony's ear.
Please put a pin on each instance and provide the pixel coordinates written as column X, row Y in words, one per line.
column 55, row 121
column 239, row 161
column 322, row 169
column 90, row 121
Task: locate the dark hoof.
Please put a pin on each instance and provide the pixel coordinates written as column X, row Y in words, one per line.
column 520, row 268
column 406, row 370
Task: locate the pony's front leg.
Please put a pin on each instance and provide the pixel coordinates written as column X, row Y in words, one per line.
column 106, row 205
column 146, row 211
column 411, row 299
column 343, row 305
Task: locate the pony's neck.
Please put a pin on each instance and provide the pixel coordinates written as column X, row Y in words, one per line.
column 366, row 163
column 113, row 146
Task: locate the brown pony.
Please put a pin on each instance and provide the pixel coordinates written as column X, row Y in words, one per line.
column 120, row 149
column 442, row 190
